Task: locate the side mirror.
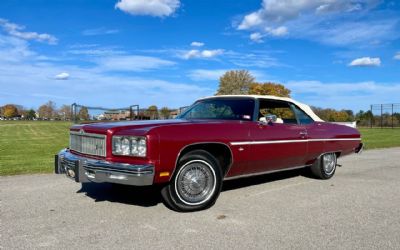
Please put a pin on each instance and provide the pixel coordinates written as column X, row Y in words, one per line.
column 268, row 119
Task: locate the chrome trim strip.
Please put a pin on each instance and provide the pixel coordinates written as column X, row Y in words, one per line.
column 87, row 134
column 291, row 141
column 262, row 173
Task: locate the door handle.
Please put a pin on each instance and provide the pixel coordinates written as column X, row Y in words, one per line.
column 303, row 133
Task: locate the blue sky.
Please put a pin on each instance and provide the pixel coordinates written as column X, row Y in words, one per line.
column 114, row 53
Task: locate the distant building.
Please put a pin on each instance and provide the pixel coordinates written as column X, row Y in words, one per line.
column 116, row 115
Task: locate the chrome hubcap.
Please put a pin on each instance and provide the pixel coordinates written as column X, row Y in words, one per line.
column 195, row 182
column 329, row 163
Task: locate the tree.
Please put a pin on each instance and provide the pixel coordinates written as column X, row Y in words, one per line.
column 235, row 82
column 269, row 88
column 30, row 114
column 10, row 111
column 65, row 112
column 152, row 111
column 83, row 114
column 47, row 111
column 165, row 113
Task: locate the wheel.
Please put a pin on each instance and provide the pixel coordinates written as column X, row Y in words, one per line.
column 325, row 166
column 196, row 183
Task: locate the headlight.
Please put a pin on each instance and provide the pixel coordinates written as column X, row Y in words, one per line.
column 129, row 145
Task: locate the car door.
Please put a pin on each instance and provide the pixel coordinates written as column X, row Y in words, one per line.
column 280, row 144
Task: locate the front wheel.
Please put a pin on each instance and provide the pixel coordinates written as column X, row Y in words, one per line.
column 196, row 183
column 325, row 166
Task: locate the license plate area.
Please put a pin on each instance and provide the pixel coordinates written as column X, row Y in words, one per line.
column 71, row 168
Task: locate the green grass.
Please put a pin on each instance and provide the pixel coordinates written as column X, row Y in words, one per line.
column 380, row 137
column 29, row 146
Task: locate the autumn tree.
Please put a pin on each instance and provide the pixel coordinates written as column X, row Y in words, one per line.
column 152, row 111
column 269, row 88
column 235, row 82
column 65, row 112
column 83, row 114
column 332, row 115
column 47, row 110
column 10, row 111
column 165, row 113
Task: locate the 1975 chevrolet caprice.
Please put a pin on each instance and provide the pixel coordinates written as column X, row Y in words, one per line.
column 217, row 138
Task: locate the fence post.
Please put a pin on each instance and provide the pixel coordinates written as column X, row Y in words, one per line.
column 381, row 115
column 392, row 116
column 371, row 117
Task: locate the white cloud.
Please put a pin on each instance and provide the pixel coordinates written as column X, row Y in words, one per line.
column 99, row 31
column 280, row 11
column 157, row 8
column 366, row 62
column 194, row 53
column 279, row 31
column 18, row 31
column 197, row 44
column 397, row 56
column 62, row 76
column 251, row 20
column 132, row 63
column 332, row 22
column 256, row 37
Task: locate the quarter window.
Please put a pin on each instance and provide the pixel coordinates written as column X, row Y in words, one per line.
column 302, row 117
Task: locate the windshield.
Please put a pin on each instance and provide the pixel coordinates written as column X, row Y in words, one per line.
column 223, row 109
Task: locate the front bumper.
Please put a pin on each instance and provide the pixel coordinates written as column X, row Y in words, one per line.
column 83, row 169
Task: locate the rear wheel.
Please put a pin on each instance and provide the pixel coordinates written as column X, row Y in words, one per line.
column 196, row 183
column 325, row 166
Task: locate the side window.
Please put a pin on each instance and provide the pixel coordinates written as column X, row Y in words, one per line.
column 302, row 117
column 281, row 109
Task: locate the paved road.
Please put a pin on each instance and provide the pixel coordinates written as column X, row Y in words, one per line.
column 358, row 209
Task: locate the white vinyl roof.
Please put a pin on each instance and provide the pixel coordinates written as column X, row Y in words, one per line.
column 303, row 106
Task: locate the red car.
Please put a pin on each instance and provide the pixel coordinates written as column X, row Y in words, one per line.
column 216, row 139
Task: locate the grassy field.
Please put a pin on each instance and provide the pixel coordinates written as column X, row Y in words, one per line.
column 29, row 147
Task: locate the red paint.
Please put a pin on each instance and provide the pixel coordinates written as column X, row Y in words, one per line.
column 166, row 139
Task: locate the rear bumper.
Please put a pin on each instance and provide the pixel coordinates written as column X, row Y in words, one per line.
column 83, row 169
column 360, row 148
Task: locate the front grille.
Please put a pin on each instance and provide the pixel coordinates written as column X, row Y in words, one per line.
column 86, row 143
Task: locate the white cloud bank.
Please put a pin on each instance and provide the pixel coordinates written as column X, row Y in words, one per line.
column 345, row 95
column 397, row 56
column 133, row 63
column 16, row 30
column 156, row 8
column 365, row 62
column 332, row 22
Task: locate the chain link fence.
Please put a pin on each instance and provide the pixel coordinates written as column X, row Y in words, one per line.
column 381, row 115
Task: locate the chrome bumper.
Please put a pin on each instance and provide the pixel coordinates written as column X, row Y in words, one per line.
column 83, row 169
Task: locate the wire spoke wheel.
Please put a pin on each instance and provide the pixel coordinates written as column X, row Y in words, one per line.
column 195, row 182
column 329, row 163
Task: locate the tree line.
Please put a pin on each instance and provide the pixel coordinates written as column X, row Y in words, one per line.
column 233, row 82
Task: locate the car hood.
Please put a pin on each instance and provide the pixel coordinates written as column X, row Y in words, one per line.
column 107, row 127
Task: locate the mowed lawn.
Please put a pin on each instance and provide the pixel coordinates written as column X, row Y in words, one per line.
column 29, row 146
column 380, row 137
